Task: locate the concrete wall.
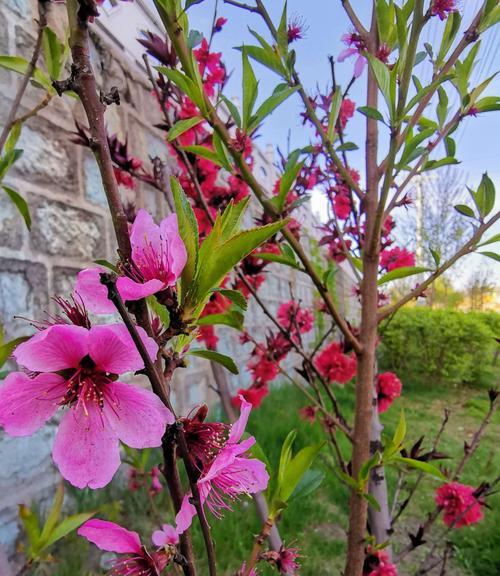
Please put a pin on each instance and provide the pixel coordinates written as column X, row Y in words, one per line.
column 71, row 227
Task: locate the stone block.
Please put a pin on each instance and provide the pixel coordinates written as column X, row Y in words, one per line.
column 11, row 223
column 23, row 292
column 49, row 159
column 61, row 230
column 64, row 280
column 94, row 190
column 21, row 8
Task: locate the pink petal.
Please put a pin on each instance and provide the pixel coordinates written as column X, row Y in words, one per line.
column 185, row 515
column 86, row 449
column 173, row 246
column 131, row 290
column 111, row 537
column 359, row 66
column 138, row 417
column 27, row 403
column 93, row 293
column 145, row 234
column 167, row 535
column 56, row 348
column 347, row 53
column 239, row 426
column 111, row 347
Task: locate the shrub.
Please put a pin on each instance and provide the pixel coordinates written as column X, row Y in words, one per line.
column 440, row 346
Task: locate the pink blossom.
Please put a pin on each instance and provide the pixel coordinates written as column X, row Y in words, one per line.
column 388, row 389
column 158, row 258
column 241, row 571
column 219, row 23
column 460, row 505
column 255, row 394
column 396, row 258
column 229, row 475
column 263, row 369
column 347, row 109
column 355, row 46
column 78, row 367
column 308, row 413
column 167, row 536
column 377, row 563
column 292, row 317
column 334, row 365
column 284, row 560
column 342, row 206
column 137, row 561
column 442, row 8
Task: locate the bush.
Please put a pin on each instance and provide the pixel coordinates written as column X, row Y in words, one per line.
column 440, row 346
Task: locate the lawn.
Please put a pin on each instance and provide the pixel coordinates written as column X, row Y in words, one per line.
column 316, row 523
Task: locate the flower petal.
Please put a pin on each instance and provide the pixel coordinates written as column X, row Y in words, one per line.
column 174, row 247
column 144, row 235
column 131, row 290
column 138, row 417
column 111, row 347
column 93, row 293
column 110, row 537
column 167, row 535
column 185, row 515
column 239, row 426
column 86, row 449
column 27, row 403
column 359, row 66
column 56, row 348
column 346, row 53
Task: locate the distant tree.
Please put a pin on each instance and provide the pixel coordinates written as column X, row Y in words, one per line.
column 479, row 289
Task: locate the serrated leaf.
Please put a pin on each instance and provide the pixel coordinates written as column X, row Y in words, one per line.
column 269, row 105
column 20, row 203
column 286, row 182
column 249, row 89
column 267, row 57
column 402, row 272
column 183, row 126
column 280, row 259
column 235, row 296
column 188, row 231
column 214, row 356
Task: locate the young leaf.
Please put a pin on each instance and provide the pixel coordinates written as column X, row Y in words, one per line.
column 55, row 512
column 235, row 296
column 269, row 105
column 442, row 107
column 383, row 78
column 233, row 110
column 67, row 526
column 309, row 482
column 188, row 230
column 334, row 112
column 53, row 51
column 6, row 348
column 226, row 361
column 286, row 454
column 220, row 150
column 20, row 204
column 183, row 126
column 371, row 113
column 204, row 153
column 13, row 137
column 160, row 311
column 32, row 528
column 422, row 466
column 485, row 195
column 231, row 318
column 465, row 210
column 267, row 57
column 492, row 255
column 296, row 468
column 372, row 501
column 436, row 256
column 250, row 89
column 402, row 272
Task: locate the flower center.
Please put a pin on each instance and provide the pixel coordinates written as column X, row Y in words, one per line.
column 86, row 385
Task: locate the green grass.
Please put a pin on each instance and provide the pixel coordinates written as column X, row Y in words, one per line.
column 317, row 523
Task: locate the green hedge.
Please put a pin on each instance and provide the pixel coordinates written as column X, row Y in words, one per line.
column 429, row 347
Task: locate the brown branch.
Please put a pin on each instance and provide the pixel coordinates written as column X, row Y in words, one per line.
column 192, row 475
column 42, row 23
column 355, row 21
column 466, row 249
column 257, row 546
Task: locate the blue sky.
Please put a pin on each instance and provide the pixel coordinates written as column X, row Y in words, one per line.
column 477, row 138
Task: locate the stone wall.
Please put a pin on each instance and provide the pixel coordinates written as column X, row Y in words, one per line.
column 71, row 227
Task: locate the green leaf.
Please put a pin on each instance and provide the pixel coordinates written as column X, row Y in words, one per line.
column 232, row 217
column 53, row 52
column 334, row 112
column 347, row 147
column 422, row 466
column 449, row 34
column 54, row 513
column 194, row 38
column 495, row 238
column 20, row 65
column 67, row 526
column 372, row 501
column 436, row 256
column 400, row 432
column 296, row 468
column 286, row 454
column 371, row 113
column 402, row 272
column 204, row 153
column 442, row 107
column 222, row 257
column 8, row 159
column 266, row 57
column 233, row 110
column 485, row 195
column 20, row 204
column 13, row 137
column 107, row 264
column 220, row 150
column 32, row 528
column 286, row 182
column 286, row 259
column 383, row 78
column 465, row 210
column 282, row 32
column 492, row 255
column 184, row 83
column 160, row 311
column 249, row 87
column 6, row 348
column 269, row 105
column 226, row 361
column 183, row 126
column 364, row 473
column 231, row 318
column 433, row 164
column 188, row 231
column 235, row 296
column 309, row 483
